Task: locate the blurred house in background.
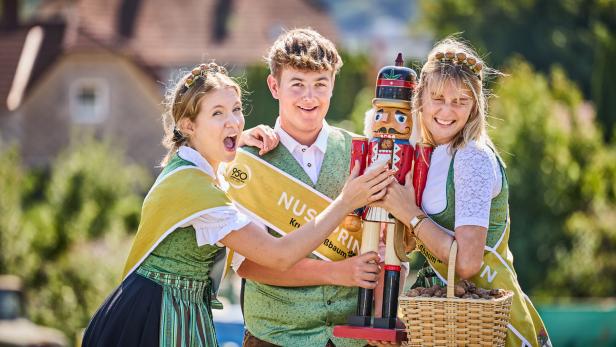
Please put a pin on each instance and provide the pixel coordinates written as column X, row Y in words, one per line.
column 102, row 67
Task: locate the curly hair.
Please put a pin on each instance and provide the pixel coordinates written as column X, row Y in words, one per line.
column 303, row 49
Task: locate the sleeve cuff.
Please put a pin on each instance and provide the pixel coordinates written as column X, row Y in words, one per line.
column 237, row 261
column 209, row 233
column 480, row 222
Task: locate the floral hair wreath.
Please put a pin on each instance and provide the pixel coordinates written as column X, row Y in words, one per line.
column 461, row 59
column 202, row 71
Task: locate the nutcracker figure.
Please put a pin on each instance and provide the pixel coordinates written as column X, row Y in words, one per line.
column 391, row 129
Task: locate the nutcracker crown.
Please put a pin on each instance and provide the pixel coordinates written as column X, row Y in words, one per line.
column 395, row 85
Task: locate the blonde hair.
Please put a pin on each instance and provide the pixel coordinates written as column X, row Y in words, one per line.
column 183, row 100
column 303, row 49
column 437, row 72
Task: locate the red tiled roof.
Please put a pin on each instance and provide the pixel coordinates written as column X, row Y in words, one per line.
column 166, row 33
column 11, row 44
column 171, row 33
column 43, row 54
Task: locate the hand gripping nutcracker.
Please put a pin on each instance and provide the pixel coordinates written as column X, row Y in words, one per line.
column 391, row 129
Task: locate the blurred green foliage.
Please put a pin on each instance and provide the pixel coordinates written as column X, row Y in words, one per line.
column 578, row 35
column 562, row 180
column 66, row 230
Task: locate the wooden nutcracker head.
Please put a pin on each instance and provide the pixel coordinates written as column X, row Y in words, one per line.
column 392, row 102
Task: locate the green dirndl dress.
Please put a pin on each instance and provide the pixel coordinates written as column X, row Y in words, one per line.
column 167, row 276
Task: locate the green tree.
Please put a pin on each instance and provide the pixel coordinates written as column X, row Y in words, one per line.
column 577, row 35
column 14, row 245
column 72, row 229
column 561, row 178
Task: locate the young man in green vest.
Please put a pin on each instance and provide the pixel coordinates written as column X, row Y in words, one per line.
column 300, row 307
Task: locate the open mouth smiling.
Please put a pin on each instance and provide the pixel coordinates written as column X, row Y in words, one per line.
column 307, row 109
column 230, row 142
column 444, row 122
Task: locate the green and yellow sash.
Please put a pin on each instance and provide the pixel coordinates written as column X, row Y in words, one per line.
column 525, row 326
column 284, row 203
column 176, row 198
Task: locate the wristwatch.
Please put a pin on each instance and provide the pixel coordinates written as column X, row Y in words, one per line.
column 415, row 221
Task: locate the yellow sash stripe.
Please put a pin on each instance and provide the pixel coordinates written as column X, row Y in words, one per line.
column 284, row 203
column 181, row 196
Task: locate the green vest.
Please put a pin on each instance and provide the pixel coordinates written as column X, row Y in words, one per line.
column 304, row 316
column 497, row 269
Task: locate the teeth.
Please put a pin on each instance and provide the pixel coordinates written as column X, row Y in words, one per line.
column 444, row 122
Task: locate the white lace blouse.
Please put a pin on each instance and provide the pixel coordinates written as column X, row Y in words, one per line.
column 217, row 222
column 477, row 180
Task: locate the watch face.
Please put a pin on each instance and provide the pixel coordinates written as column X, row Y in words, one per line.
column 416, row 220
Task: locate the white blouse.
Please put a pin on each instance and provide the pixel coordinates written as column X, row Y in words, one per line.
column 217, row 222
column 477, row 180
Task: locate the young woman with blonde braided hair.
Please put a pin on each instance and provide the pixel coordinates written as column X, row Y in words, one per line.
column 466, row 198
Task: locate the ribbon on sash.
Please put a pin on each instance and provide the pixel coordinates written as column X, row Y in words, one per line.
column 284, row 203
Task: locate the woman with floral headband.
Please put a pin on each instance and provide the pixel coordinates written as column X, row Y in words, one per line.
column 466, row 194
column 166, row 296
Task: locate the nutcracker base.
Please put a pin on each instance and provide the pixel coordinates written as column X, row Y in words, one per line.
column 385, row 323
column 369, row 333
column 359, row 321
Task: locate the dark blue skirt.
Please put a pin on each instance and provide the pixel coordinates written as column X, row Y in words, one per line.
column 129, row 317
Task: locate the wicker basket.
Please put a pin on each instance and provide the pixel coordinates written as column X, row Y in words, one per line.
column 452, row 321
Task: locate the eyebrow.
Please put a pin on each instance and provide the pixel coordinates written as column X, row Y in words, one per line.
column 302, row 80
column 222, row 106
column 440, row 95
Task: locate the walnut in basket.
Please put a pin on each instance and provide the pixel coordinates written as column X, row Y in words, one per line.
column 464, row 289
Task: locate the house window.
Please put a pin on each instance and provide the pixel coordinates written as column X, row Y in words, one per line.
column 89, row 100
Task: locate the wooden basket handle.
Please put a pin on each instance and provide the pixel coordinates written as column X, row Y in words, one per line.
column 451, row 269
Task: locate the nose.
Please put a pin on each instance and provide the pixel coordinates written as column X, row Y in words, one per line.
column 443, row 108
column 385, row 117
column 309, row 94
column 234, row 120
